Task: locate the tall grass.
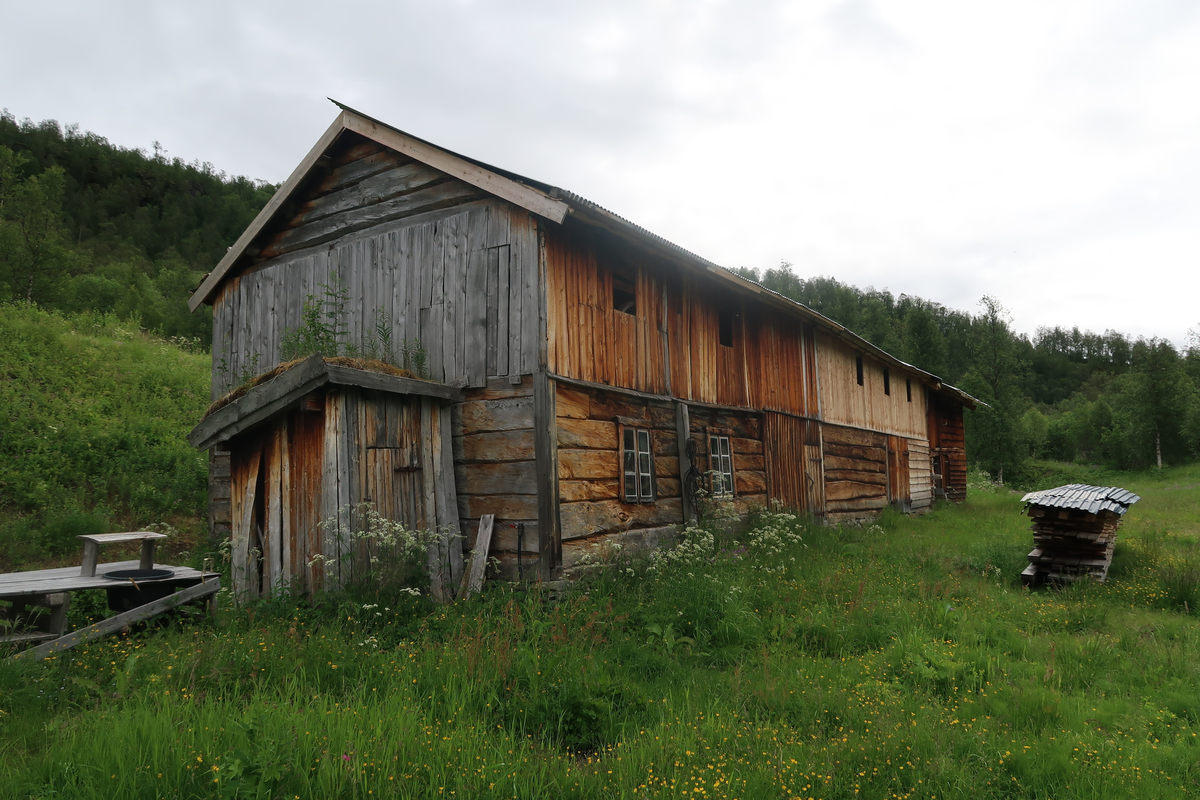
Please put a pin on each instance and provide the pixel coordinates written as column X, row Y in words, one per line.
column 899, row 659
column 93, row 415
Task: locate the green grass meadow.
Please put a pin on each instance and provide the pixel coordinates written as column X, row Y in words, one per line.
column 903, row 659
column 93, row 415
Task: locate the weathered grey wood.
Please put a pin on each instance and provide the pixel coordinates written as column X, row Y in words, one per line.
column 447, row 497
column 381, row 381
column 546, row 458
column 31, row 584
column 473, row 577
column 503, row 343
column 522, row 195
column 91, row 554
column 386, row 185
column 28, row 637
column 360, row 169
column 268, row 212
column 477, row 307
column 269, row 398
column 104, row 627
column 683, row 428
column 427, row 198
column 243, row 529
column 330, row 498
column 437, row 588
column 92, row 542
column 512, row 477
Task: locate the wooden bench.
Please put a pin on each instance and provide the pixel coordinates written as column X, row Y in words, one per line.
column 91, row 548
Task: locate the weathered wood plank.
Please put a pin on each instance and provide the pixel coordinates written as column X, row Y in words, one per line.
column 586, row 433
column 546, row 473
column 501, row 506
column 572, row 491
column 428, row 198
column 589, row 518
column 584, row 464
column 473, row 578
column 495, row 446
column 385, row 185
column 513, row 477
column 504, row 414
column 104, row 627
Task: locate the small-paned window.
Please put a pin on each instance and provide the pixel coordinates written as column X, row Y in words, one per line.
column 624, row 293
column 720, row 465
column 725, row 326
column 908, row 388
column 887, row 382
column 858, row 367
column 637, row 459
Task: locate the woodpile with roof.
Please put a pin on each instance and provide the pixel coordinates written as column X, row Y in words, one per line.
column 1074, row 531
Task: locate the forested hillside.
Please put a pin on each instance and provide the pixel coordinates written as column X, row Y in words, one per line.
column 1062, row 394
column 90, row 227
column 86, row 225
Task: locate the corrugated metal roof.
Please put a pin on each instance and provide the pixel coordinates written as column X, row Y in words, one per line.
column 1082, row 497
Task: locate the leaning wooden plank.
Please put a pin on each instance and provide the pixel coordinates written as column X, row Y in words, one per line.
column 473, row 577
column 104, row 627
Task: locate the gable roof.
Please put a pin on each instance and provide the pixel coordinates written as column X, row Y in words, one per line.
column 545, row 200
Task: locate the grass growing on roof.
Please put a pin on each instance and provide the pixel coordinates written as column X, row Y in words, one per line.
column 902, row 659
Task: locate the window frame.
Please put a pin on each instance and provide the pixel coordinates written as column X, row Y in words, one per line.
column 645, row 489
column 723, row 460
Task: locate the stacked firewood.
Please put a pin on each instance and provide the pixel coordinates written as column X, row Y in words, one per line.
column 1074, row 531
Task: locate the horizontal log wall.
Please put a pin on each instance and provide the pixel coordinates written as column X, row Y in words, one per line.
column 589, row 467
column 920, row 475
column 494, row 471
column 844, row 402
column 745, row 432
column 460, row 280
column 856, row 472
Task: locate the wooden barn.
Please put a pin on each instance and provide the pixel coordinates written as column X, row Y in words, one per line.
column 592, row 381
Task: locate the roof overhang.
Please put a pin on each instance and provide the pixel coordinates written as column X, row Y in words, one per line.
column 489, row 180
column 283, row 392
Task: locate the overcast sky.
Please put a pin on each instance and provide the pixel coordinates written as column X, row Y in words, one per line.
column 1046, row 153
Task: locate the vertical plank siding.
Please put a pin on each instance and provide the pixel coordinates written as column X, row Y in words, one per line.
column 845, row 402
column 461, row 281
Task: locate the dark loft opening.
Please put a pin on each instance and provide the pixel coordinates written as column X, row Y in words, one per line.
column 725, row 326
column 624, row 294
column 887, row 382
column 908, row 388
column 858, row 367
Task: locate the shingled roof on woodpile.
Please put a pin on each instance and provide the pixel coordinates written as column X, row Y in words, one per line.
column 1082, row 497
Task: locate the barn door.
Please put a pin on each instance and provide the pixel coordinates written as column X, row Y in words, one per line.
column 899, row 487
column 395, row 484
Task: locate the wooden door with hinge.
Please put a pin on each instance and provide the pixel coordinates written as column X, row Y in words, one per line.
column 793, row 454
column 899, row 487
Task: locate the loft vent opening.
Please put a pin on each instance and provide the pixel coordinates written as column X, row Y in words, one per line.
column 624, row 293
column 725, row 326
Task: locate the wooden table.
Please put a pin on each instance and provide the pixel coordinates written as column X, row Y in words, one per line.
column 51, row 588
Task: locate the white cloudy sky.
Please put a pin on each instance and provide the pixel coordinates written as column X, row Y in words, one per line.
column 1047, row 153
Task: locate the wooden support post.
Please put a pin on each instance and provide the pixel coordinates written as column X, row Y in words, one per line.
column 148, row 548
column 545, row 448
column 91, row 554
column 683, row 428
column 59, row 604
